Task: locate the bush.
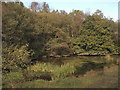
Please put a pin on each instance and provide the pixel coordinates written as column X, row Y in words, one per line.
column 15, row 58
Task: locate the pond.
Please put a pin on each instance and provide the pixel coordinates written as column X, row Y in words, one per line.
column 58, row 68
column 63, row 60
column 84, row 63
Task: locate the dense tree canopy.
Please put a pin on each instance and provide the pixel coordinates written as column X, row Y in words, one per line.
column 31, row 33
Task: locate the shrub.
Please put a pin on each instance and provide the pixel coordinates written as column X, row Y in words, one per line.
column 15, row 58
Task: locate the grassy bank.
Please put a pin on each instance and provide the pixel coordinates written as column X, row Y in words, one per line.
column 92, row 79
column 74, row 72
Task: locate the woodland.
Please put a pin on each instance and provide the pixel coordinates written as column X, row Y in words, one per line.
column 31, row 34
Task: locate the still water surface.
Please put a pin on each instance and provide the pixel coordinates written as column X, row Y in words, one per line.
column 76, row 59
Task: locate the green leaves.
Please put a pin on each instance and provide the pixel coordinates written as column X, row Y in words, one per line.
column 95, row 36
column 52, row 34
column 15, row 58
column 56, row 72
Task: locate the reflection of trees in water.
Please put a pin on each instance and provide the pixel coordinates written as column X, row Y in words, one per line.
column 89, row 66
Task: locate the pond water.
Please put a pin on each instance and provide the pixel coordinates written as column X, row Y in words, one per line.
column 85, row 63
column 63, row 60
column 81, row 64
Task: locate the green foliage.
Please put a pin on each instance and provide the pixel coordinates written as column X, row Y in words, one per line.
column 90, row 81
column 12, row 78
column 110, row 60
column 63, row 71
column 108, row 57
column 55, row 72
column 95, row 36
column 14, row 58
column 29, row 35
column 58, row 33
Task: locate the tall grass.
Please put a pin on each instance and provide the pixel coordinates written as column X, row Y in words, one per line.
column 49, row 71
column 110, row 60
column 54, row 71
column 91, row 80
column 15, row 77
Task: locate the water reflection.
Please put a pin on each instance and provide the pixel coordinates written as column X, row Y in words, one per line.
column 84, row 63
